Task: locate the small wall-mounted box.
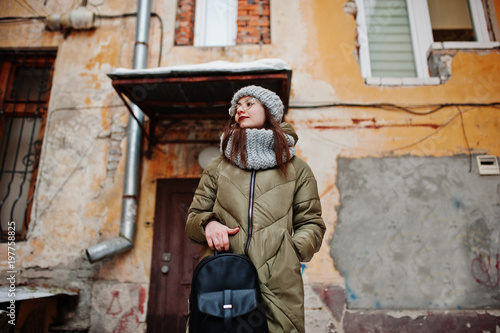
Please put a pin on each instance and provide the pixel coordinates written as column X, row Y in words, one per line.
column 488, row 165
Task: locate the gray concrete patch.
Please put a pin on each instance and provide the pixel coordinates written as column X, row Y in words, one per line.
column 418, row 233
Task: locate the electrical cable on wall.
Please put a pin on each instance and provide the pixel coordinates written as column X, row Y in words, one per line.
column 466, row 139
column 443, row 125
column 394, row 107
column 8, row 19
column 411, row 110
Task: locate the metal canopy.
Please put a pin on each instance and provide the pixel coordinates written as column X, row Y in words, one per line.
column 198, row 92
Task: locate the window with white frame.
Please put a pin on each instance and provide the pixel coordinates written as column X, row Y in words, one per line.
column 215, row 22
column 458, row 21
column 395, row 36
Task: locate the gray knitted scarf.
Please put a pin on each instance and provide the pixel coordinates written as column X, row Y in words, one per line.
column 260, row 152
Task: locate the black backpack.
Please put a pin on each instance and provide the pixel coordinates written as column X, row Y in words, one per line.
column 226, row 297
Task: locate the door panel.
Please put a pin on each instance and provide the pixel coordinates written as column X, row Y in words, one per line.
column 174, row 257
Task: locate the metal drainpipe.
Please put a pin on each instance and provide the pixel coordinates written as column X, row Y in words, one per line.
column 125, row 240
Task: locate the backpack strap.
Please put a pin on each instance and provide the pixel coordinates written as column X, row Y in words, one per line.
column 228, row 306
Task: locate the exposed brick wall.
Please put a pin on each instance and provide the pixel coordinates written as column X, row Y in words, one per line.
column 253, row 22
column 184, row 23
column 254, row 25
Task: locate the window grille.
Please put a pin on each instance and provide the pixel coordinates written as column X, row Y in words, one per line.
column 25, row 82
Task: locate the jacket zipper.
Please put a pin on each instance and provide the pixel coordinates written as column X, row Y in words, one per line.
column 250, row 210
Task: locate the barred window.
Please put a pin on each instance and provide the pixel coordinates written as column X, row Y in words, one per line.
column 25, row 82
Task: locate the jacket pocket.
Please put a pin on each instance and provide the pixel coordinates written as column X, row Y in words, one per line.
column 289, row 239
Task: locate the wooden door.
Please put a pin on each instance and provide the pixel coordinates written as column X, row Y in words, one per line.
column 174, row 257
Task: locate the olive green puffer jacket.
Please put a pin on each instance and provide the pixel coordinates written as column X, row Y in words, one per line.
column 286, row 229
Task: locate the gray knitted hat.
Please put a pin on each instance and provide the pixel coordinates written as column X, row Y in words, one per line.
column 265, row 96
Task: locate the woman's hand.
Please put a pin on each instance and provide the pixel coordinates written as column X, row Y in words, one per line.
column 217, row 235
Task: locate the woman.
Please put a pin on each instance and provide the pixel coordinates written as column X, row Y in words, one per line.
column 259, row 190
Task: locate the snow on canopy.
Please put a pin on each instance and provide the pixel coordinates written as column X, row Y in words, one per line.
column 213, row 66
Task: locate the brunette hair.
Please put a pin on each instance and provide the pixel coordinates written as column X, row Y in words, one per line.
column 239, row 141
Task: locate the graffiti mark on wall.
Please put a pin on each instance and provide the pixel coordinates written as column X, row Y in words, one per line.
column 485, row 272
column 142, row 299
column 114, row 307
column 128, row 322
column 124, row 309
